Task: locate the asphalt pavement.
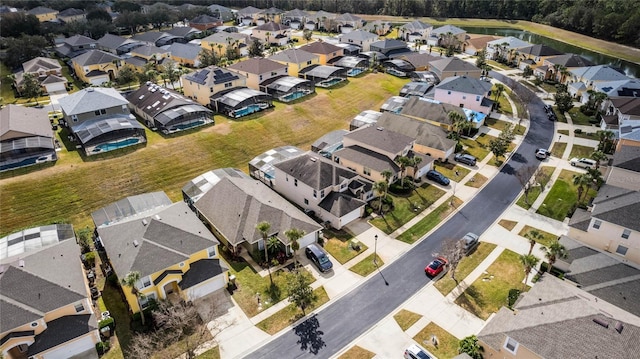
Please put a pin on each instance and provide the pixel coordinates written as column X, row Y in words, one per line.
column 327, row 332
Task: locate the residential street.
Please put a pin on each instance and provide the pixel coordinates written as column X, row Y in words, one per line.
column 327, row 332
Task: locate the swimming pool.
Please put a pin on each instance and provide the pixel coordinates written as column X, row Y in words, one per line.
column 246, row 110
column 115, row 145
column 329, row 82
column 354, row 72
column 292, row 96
column 186, row 126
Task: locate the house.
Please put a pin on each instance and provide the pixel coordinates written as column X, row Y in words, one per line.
column 272, row 33
column 364, row 118
column 360, row 38
column 378, row 27
column 415, row 31
column 592, row 75
column 612, row 224
column 350, row 49
column 188, row 33
column 221, row 12
column 71, row 14
column 197, row 187
column 372, row 150
column 171, row 249
column 117, row 45
column 326, row 51
column 438, row 35
column 420, row 62
column 232, row 208
column 295, row 59
column 205, row 22
column 348, row 22
column 334, row 193
column 624, row 171
column 151, row 53
column 391, row 48
column 324, row 76
column 321, row 20
column 398, row 67
column 556, row 67
column 328, row 143
column 295, row 18
column 534, row 56
column 430, row 140
column 185, row 54
column 167, row 110
column 262, row 168
column 75, row 45
column 354, row 65
column 453, row 66
column 555, row 320
column 201, row 84
column 287, row 88
column 47, row 71
column 248, row 15
column 43, row 13
column 467, row 92
column 45, row 308
column 272, row 14
column 96, row 67
column 240, row 102
column 618, row 89
column 220, row 41
column 415, row 89
column 505, row 48
column 257, row 70
column 157, row 38
column 437, row 113
column 26, row 137
column 621, row 112
column 99, row 120
column 477, row 43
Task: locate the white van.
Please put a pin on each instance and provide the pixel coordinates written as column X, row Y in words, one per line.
column 583, row 162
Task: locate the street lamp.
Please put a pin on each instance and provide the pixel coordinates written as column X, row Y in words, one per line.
column 375, row 249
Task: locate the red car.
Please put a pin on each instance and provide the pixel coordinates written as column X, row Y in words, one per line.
column 436, row 266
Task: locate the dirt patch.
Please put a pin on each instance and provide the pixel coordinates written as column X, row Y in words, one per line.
column 221, row 129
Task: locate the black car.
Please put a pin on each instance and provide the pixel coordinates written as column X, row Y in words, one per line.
column 438, row 177
column 466, row 159
column 318, row 257
column 548, row 109
column 552, row 116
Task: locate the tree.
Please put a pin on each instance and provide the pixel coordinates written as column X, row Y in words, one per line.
column 542, row 177
column 98, row 14
column 458, row 121
column 527, row 72
column 529, row 261
column 307, row 34
column 122, row 6
column 533, row 236
column 98, row 28
column 294, row 234
column 605, row 141
column 264, row 227
column 415, row 163
column 481, row 60
column 256, row 49
column 499, row 89
column 387, row 177
column 381, row 188
column 23, row 48
column 171, row 72
column 274, row 246
column 207, row 58
column 300, row 292
column 599, row 156
column 126, row 75
column 554, row 252
column 131, row 20
column 30, row 87
column 563, row 101
column 595, row 178
column 130, row 280
column 524, row 175
column 453, row 251
column 470, row 346
column 404, row 162
column 581, row 180
column 18, row 23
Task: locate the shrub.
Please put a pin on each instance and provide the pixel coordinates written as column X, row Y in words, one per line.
column 459, row 147
column 109, row 322
column 90, row 259
column 577, row 131
column 513, row 296
column 102, row 347
column 113, row 280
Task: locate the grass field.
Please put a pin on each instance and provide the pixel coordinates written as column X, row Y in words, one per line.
column 535, row 191
column 476, row 181
column 562, row 197
column 289, row 314
column 465, row 267
column 406, row 319
column 356, row 352
column 429, row 222
column 447, row 343
column 367, row 265
column 71, row 190
column 581, row 151
column 509, row 225
column 579, row 118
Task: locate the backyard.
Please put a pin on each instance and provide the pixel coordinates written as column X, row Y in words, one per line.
column 53, row 194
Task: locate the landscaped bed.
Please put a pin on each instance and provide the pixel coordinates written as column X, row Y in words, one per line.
column 545, row 239
column 535, row 191
column 289, row 314
column 489, row 292
column 507, row 224
column 446, row 284
column 429, row 222
column 447, row 343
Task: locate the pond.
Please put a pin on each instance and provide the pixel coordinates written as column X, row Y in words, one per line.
column 630, row 68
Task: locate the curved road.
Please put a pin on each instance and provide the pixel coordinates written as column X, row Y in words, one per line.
column 333, row 328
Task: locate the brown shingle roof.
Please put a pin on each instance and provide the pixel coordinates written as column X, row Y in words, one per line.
column 257, row 66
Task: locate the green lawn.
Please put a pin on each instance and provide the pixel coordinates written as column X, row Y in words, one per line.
column 498, row 65
column 474, row 148
column 289, row 314
column 562, row 197
column 446, row 284
column 53, row 194
column 447, row 343
column 503, row 101
column 489, row 292
column 356, row 352
column 581, row 151
column 579, row 118
column 429, row 222
column 546, row 239
column 213, row 353
column 560, row 115
column 406, row 319
column 406, row 208
column 476, row 181
column 558, row 148
column 483, row 141
column 367, row 266
column 449, row 169
column 549, row 87
column 535, row 191
column 500, row 125
column 342, row 250
column 120, row 312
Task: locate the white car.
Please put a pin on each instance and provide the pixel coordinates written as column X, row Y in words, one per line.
column 414, row 351
column 583, row 162
column 541, row 153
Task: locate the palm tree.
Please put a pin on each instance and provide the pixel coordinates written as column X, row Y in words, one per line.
column 580, row 181
column 595, row 178
column 553, row 252
column 274, row 245
column 387, row 177
column 219, row 46
column 415, row 163
column 533, row 236
column 267, row 35
column 499, row 89
column 599, row 156
column 130, row 281
column 529, row 261
column 458, row 121
column 294, row 234
column 380, row 187
column 264, row 227
column 605, row 139
column 404, row 162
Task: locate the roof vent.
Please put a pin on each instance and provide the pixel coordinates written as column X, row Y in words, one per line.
column 21, row 263
column 619, row 327
column 135, row 243
column 144, row 222
column 601, row 322
column 313, row 159
column 379, row 128
column 157, row 217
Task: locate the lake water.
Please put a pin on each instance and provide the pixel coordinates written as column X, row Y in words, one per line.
column 630, row 68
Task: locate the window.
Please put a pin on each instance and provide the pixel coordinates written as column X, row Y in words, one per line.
column 34, row 324
column 100, row 112
column 228, row 84
column 464, row 97
column 315, row 194
column 74, row 118
column 511, row 345
column 295, row 182
column 144, row 282
column 144, row 301
column 622, row 250
column 336, row 159
column 343, row 186
column 79, row 307
column 260, row 77
column 366, row 171
column 181, row 264
column 306, row 201
column 626, row 233
column 322, row 194
column 596, row 224
column 448, row 92
column 309, row 62
column 211, row 252
column 478, row 98
column 211, row 88
column 274, row 73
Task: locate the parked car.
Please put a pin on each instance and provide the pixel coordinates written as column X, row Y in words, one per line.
column 318, row 257
column 436, row 266
column 466, row 159
column 470, row 242
column 548, row 108
column 541, row 153
column 438, row 177
column 583, row 162
column 552, row 116
column 415, row 351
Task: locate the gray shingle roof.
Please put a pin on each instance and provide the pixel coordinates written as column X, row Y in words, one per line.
column 62, row 330
column 171, row 235
column 330, row 139
column 424, row 133
column 580, row 219
column 183, row 31
column 111, row 41
column 570, row 60
column 340, row 204
column 415, row 25
column 430, row 110
column 381, row 138
column 321, row 47
column 257, row 65
column 24, row 120
column 272, row 26
column 13, row 316
column 77, row 40
column 41, row 63
column 539, row 50
column 41, row 10
column 598, row 73
column 201, row 271
column 222, row 37
column 358, row 35
column 95, row 57
column 236, row 206
column 367, row 158
column 185, row 51
column 148, row 50
column 203, row 19
column 627, row 157
column 621, row 210
column 465, row 84
column 453, row 64
column 70, row 12
column 295, row 56
column 445, row 29
column 248, row 11
column 315, row 171
column 91, row 99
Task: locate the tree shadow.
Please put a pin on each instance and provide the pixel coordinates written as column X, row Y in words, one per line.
column 518, row 158
column 310, row 337
column 274, row 292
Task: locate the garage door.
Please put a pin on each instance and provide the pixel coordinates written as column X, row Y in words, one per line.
column 307, row 240
column 207, row 287
column 348, row 218
column 97, row 81
column 82, row 345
